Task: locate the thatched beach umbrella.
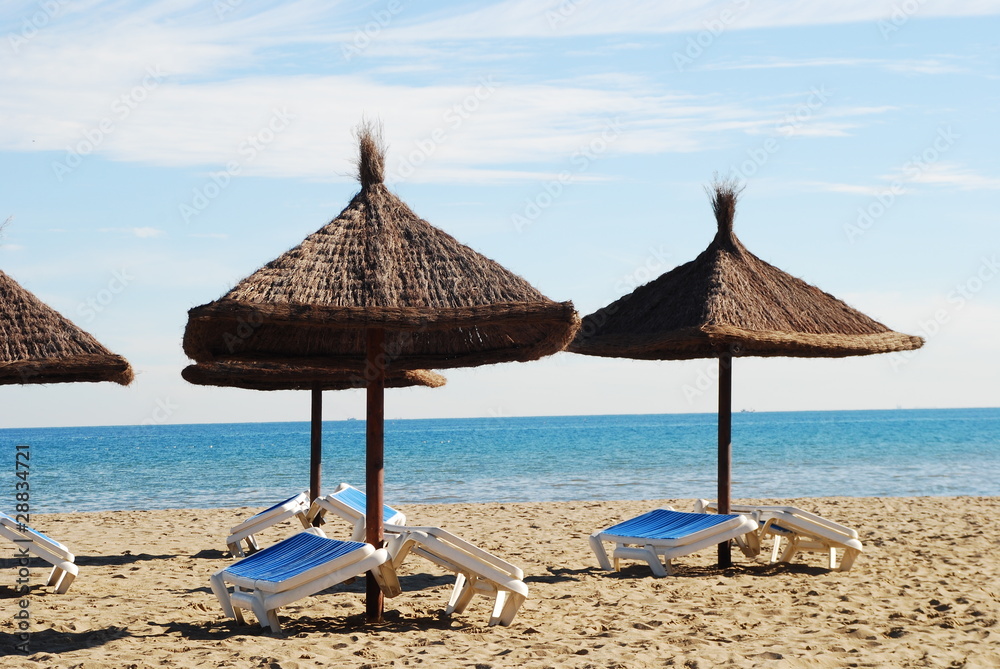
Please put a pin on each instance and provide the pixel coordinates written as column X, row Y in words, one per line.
column 726, row 303
column 275, row 376
column 39, row 345
column 379, row 288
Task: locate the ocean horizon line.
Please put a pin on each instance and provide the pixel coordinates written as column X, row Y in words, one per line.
column 524, row 417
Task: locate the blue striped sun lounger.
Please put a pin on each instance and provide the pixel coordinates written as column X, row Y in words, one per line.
column 670, row 534
column 349, row 503
column 296, row 506
column 294, row 568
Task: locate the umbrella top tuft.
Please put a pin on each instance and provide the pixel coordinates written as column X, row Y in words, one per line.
column 371, row 161
column 724, row 193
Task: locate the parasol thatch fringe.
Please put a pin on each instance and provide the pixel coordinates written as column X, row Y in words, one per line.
column 729, row 300
column 273, row 376
column 39, row 345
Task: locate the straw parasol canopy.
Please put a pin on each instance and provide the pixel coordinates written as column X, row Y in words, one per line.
column 39, row 345
column 379, row 289
column 379, row 265
column 728, row 303
column 728, row 299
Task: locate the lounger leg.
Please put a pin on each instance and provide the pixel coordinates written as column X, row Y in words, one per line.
column 456, row 592
column 222, row 594
column 388, row 581
column 252, row 546
column 833, row 558
column 272, row 620
column 600, row 552
column 847, row 561
column 776, row 549
column 266, row 617
column 235, row 550
column 304, row 519
column 461, row 596
column 68, row 572
column 790, row 550
column 511, row 605
column 660, row 569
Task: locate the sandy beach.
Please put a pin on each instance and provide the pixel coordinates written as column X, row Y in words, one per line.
column 925, row 593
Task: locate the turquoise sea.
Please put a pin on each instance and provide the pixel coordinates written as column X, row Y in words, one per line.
column 793, row 454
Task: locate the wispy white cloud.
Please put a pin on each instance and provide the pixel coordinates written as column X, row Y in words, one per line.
column 906, row 66
column 528, row 18
column 947, row 175
column 141, row 233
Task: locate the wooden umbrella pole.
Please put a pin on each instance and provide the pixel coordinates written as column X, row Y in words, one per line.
column 375, row 466
column 315, row 442
column 725, row 445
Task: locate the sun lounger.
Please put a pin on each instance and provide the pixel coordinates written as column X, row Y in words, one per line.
column 29, row 540
column 476, row 570
column 802, row 530
column 296, row 506
column 671, row 534
column 348, row 502
column 294, row 568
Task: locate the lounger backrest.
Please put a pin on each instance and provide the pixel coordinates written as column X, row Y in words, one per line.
column 357, row 501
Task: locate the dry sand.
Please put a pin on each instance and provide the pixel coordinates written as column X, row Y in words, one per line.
column 923, row 594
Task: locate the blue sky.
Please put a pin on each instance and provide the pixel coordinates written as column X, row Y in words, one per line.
column 154, row 153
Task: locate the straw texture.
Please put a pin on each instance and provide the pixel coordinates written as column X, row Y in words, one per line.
column 729, row 300
column 38, row 345
column 379, row 265
column 269, row 376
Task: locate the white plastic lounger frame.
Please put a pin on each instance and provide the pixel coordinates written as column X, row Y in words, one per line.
column 296, row 506
column 477, row 572
column 804, row 531
column 294, row 568
column 32, row 541
column 348, row 502
column 671, row 534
